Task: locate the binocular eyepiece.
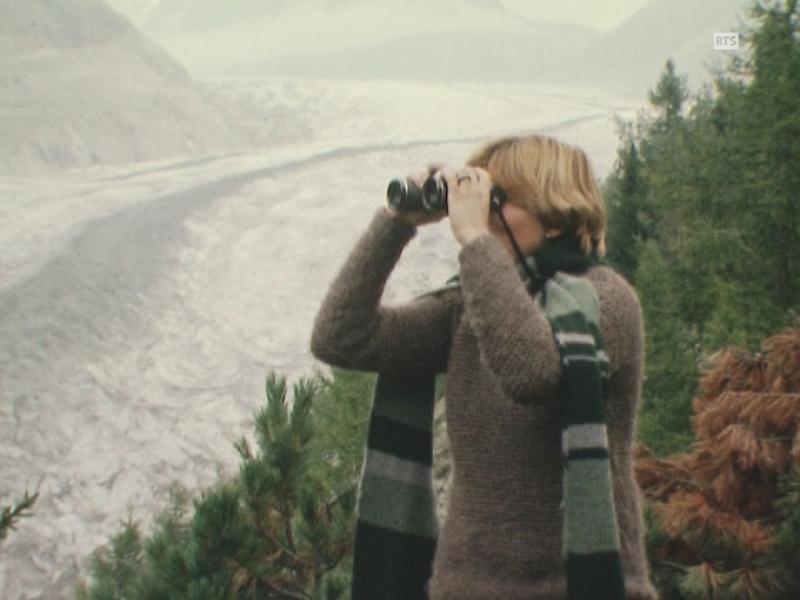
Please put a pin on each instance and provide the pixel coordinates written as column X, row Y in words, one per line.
column 405, row 195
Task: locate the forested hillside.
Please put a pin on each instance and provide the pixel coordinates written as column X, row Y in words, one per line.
column 704, row 215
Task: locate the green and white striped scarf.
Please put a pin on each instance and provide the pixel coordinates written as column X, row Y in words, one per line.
column 396, row 530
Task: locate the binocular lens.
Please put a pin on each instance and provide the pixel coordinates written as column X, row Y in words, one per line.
column 396, row 193
column 434, row 194
column 405, row 195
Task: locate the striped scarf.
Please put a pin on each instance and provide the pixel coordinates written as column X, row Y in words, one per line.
column 396, row 529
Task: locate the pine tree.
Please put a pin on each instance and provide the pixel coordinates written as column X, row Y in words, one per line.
column 753, row 202
column 722, row 187
column 787, row 536
column 669, row 95
column 776, row 92
column 670, row 357
column 10, row 515
column 282, row 529
column 341, row 410
column 630, row 217
column 715, row 507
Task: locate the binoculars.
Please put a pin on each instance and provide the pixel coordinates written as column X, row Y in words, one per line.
column 405, row 195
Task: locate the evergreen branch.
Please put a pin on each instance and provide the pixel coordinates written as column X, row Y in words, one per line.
column 257, row 582
column 288, row 531
column 331, row 437
column 337, row 498
column 333, row 440
column 12, row 514
column 283, row 548
column 287, row 593
column 329, row 562
column 672, row 565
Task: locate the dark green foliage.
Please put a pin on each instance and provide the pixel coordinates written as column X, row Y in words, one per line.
column 10, row 515
column 664, row 574
column 282, row 529
column 342, row 411
column 669, row 357
column 630, row 217
column 703, row 208
column 116, row 568
column 669, row 95
column 786, row 559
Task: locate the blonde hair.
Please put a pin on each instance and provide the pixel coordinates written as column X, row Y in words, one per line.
column 550, row 179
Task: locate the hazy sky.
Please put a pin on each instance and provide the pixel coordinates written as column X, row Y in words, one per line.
column 599, row 16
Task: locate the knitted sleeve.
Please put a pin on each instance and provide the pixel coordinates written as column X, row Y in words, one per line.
column 353, row 330
column 514, row 337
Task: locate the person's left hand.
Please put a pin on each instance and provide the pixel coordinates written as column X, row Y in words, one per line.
column 468, row 190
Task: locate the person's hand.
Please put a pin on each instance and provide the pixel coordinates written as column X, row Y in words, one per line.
column 468, row 201
column 418, row 217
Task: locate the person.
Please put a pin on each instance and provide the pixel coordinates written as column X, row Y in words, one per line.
column 502, row 536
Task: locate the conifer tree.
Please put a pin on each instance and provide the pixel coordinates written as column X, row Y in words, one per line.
column 669, row 357
column 722, row 186
column 776, row 92
column 752, row 204
column 10, row 515
column 282, row 529
column 630, row 216
column 786, row 559
column 720, row 510
column 670, row 94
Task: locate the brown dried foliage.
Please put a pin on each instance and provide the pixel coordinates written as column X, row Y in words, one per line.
column 747, row 429
column 712, row 578
column 698, row 514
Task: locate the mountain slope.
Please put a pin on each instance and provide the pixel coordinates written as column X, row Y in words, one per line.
column 203, row 16
column 633, row 54
column 439, row 40
column 81, row 86
column 434, row 39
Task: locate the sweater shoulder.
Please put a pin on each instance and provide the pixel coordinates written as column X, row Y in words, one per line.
column 612, row 287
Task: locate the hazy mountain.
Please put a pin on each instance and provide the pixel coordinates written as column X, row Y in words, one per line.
column 135, row 10
column 491, row 56
column 631, row 55
column 194, row 16
column 59, row 23
column 439, row 39
column 421, row 39
column 81, row 86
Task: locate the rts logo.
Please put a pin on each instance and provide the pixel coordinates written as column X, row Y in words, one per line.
column 726, row 41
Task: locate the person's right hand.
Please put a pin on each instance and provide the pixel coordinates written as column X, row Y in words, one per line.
column 418, row 217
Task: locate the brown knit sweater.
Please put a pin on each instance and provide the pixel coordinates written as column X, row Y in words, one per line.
column 502, row 535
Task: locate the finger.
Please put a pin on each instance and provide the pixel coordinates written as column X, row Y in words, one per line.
column 448, row 175
column 434, row 168
column 482, row 175
column 431, row 170
column 475, row 175
column 419, row 177
column 464, row 176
